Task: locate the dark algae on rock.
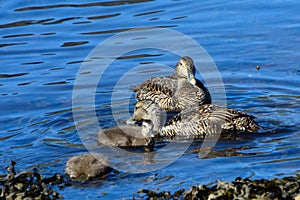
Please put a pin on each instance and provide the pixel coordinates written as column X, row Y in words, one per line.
column 284, row 188
column 29, row 185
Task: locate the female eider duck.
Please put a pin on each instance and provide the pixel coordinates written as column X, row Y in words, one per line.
column 201, row 121
column 175, row 92
column 127, row 135
column 86, row 166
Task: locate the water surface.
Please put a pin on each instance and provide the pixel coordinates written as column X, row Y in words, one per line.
column 44, row 43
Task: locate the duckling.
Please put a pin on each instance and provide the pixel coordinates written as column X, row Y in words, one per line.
column 86, row 166
column 199, row 121
column 147, row 110
column 127, row 135
column 175, row 92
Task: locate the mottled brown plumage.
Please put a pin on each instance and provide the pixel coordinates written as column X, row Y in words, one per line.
column 175, row 92
column 205, row 120
column 209, row 119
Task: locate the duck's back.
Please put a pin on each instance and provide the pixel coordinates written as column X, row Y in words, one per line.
column 87, row 166
column 156, row 86
column 126, row 135
column 189, row 96
column 171, row 96
column 208, row 120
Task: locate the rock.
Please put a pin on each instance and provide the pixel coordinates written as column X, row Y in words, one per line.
column 285, row 188
column 29, row 185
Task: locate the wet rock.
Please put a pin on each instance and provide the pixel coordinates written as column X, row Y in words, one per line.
column 162, row 195
column 285, row 188
column 29, row 185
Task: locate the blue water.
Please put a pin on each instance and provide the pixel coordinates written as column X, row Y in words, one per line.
column 43, row 45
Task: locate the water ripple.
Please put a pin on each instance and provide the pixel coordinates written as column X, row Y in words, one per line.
column 107, row 3
column 124, row 29
column 148, row 13
column 18, row 35
column 103, row 16
column 12, row 44
column 44, row 44
column 70, row 44
column 12, row 75
column 25, row 23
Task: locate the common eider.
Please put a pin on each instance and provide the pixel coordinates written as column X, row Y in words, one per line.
column 145, row 110
column 199, row 121
column 127, row 135
column 175, row 92
column 86, row 166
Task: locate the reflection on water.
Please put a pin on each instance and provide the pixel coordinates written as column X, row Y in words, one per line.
column 43, row 45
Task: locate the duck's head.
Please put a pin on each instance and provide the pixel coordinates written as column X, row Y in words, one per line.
column 185, row 69
column 144, row 110
column 148, row 110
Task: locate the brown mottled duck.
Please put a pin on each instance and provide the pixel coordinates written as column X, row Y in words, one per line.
column 199, row 121
column 176, row 92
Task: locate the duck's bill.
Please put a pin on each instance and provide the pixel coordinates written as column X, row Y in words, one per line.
column 130, row 121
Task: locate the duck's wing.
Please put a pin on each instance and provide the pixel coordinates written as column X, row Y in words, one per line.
column 217, row 113
column 165, row 84
column 171, row 94
column 186, row 123
column 208, row 120
column 231, row 120
column 159, row 90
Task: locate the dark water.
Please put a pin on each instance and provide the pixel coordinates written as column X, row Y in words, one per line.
column 43, row 45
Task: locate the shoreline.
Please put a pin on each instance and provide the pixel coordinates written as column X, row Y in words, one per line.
column 32, row 185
